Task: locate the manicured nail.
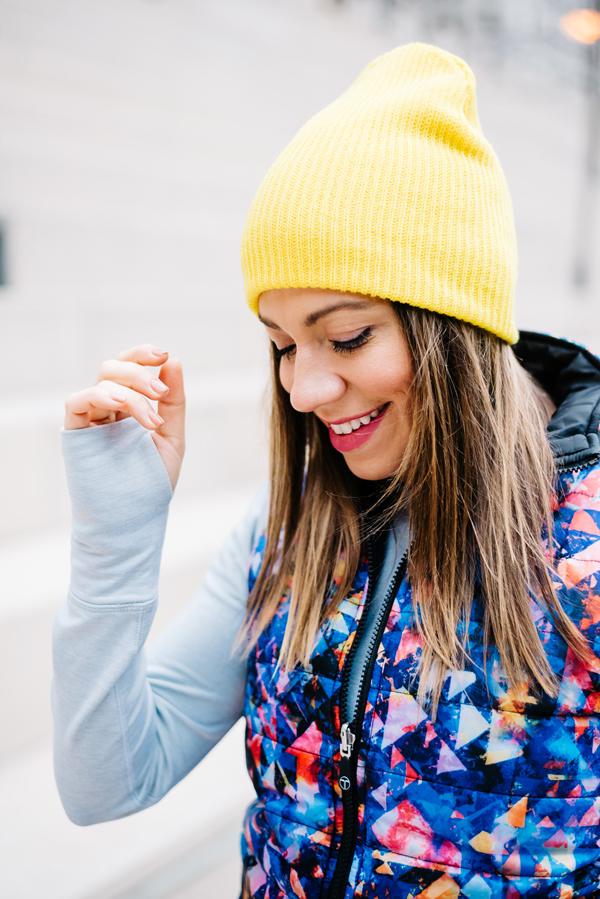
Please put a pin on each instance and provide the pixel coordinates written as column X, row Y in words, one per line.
column 118, row 397
column 156, row 352
column 158, row 386
column 156, row 419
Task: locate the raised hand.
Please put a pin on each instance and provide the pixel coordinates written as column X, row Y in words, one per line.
column 124, row 387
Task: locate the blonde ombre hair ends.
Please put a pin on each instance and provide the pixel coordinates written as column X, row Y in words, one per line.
column 477, row 481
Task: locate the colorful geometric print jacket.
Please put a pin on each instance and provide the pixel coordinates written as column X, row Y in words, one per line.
column 500, row 796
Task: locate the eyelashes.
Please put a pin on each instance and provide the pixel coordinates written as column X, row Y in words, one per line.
column 339, row 346
column 346, row 346
column 286, row 351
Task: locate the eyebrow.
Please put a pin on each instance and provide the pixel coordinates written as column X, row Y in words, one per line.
column 314, row 317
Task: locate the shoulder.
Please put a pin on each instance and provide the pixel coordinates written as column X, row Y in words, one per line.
column 577, row 517
column 256, row 517
column 577, row 550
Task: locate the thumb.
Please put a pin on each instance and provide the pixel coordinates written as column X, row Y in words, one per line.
column 171, row 408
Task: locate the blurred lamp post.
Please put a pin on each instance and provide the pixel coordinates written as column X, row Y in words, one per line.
column 583, row 25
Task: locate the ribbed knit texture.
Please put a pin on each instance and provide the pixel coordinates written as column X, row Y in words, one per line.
column 392, row 191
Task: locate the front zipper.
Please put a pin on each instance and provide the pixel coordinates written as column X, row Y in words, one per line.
column 352, row 710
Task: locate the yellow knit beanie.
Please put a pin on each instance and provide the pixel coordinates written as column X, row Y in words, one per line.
column 392, row 191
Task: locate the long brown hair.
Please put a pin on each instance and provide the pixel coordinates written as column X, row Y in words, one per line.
column 477, row 481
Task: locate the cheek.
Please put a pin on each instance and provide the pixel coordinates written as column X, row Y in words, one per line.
column 388, row 377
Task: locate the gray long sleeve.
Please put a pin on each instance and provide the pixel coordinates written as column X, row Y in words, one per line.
column 129, row 724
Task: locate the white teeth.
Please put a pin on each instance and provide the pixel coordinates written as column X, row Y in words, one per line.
column 355, row 423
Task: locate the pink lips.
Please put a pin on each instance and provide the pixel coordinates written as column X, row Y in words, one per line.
column 345, row 443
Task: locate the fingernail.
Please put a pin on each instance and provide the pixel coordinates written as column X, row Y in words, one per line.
column 158, row 386
column 156, row 352
column 156, row 419
column 118, row 397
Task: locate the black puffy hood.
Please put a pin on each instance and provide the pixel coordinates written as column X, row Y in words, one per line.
column 570, row 374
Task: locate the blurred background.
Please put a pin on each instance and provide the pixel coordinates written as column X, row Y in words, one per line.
column 133, row 135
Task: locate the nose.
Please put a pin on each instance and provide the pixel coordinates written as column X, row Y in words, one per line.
column 314, row 385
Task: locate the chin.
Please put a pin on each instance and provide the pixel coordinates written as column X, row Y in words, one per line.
column 370, row 469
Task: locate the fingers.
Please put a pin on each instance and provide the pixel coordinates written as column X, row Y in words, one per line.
column 125, row 386
column 171, row 375
column 92, row 405
column 135, row 376
column 171, row 405
column 108, row 402
column 144, row 354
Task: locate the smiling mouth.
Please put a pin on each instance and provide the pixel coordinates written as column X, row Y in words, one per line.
column 354, row 424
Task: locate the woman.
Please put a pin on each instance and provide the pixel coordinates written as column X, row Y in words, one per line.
column 414, row 649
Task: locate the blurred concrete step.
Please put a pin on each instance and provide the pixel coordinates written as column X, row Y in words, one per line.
column 222, row 881
column 211, row 868
column 185, row 839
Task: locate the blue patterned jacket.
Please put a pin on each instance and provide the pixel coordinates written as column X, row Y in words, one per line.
column 500, row 796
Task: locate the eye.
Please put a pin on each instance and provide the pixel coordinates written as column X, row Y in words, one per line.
column 347, row 346
column 284, row 351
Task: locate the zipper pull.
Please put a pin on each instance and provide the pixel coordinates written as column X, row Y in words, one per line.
column 346, row 741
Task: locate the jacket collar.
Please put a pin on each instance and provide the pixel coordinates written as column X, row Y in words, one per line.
column 570, row 374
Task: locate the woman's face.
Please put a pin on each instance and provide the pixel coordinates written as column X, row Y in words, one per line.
column 344, row 358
